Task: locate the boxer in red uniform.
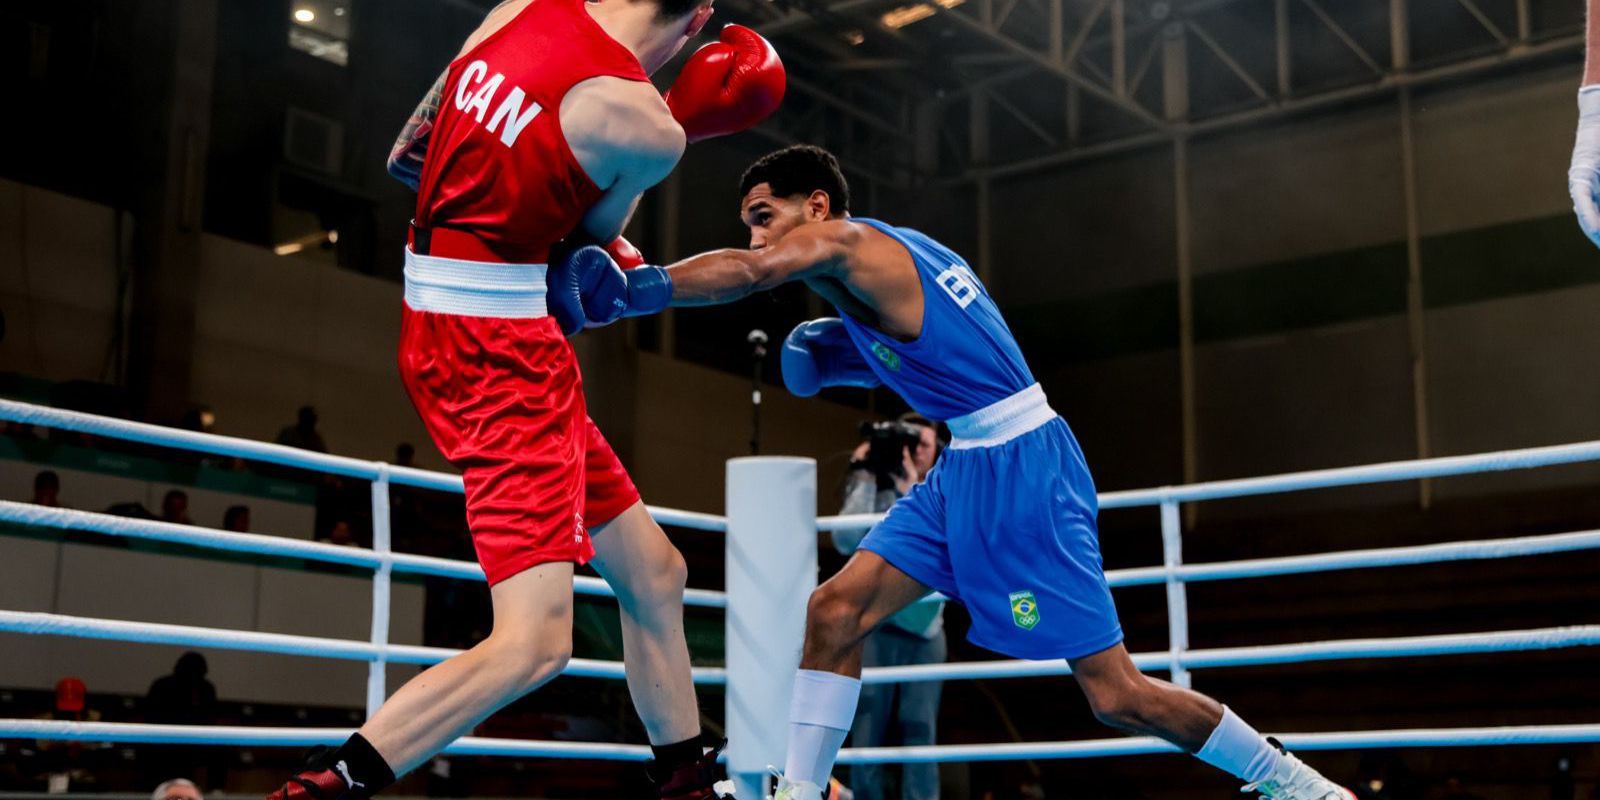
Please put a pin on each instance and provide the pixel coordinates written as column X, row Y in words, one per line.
column 544, row 128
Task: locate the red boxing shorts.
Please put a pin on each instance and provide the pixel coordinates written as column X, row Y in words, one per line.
column 503, row 400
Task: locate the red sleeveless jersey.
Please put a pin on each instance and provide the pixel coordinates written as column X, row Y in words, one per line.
column 497, row 164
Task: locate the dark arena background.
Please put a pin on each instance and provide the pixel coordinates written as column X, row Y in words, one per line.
column 1234, row 239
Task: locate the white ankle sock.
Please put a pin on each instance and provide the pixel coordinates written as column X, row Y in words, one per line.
column 820, row 714
column 1236, row 748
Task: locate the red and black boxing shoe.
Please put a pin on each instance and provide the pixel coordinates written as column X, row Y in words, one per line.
column 320, row 780
column 702, row 779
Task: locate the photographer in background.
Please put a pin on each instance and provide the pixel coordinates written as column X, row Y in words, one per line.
column 895, row 457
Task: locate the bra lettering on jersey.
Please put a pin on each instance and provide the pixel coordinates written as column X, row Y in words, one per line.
column 960, row 284
column 509, row 113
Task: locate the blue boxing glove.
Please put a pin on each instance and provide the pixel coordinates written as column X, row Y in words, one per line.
column 586, row 289
column 819, row 353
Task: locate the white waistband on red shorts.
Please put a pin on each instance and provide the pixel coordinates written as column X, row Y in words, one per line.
column 998, row 423
column 474, row 288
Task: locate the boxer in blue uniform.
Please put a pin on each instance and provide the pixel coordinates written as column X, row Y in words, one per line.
column 1005, row 522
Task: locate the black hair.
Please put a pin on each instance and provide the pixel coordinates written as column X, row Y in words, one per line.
column 46, row 478
column 941, row 432
column 672, row 9
column 800, row 169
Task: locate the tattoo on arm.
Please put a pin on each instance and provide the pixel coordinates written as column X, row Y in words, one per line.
column 405, row 159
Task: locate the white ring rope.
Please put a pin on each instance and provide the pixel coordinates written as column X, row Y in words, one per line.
column 298, row 737
column 262, row 544
column 281, row 454
column 1414, row 469
column 1352, row 740
column 1360, row 559
column 1487, row 549
column 292, row 737
column 39, row 623
column 1313, row 479
column 1174, row 576
column 1396, row 647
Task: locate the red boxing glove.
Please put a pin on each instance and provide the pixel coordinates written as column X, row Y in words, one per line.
column 625, row 254
column 727, row 86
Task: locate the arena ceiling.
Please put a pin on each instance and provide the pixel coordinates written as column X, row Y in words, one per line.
column 964, row 89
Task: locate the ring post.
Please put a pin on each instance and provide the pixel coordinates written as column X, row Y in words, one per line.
column 1177, row 592
column 771, row 570
column 377, row 684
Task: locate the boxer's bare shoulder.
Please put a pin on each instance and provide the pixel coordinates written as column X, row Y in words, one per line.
column 618, row 127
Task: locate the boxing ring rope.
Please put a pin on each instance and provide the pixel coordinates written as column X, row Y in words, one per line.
column 265, row 544
column 380, row 558
column 283, row 643
column 283, row 455
column 774, row 502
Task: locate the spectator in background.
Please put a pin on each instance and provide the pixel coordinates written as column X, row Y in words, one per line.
column 175, row 507
column 303, row 434
column 236, row 519
column 340, row 533
column 61, row 764
column 47, row 489
column 183, row 698
column 1455, row 790
column 177, row 789
column 405, row 455
column 913, row 636
column 1385, row 776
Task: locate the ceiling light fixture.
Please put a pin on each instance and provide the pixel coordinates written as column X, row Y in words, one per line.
column 905, row 15
column 305, row 15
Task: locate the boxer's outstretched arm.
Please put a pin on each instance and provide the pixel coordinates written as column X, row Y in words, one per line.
column 723, row 276
column 1591, row 66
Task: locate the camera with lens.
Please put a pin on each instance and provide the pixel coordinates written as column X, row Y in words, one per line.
column 889, row 440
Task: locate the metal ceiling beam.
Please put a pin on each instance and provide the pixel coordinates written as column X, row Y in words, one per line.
column 768, row 131
column 1483, row 19
column 1056, row 68
column 848, row 108
column 1022, row 117
column 1228, row 61
column 1084, row 30
column 1142, row 66
column 1343, row 35
column 798, row 20
column 1571, row 44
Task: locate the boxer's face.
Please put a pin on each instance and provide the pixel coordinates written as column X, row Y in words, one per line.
column 770, row 217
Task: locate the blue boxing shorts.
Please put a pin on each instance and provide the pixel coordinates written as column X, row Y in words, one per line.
column 1005, row 525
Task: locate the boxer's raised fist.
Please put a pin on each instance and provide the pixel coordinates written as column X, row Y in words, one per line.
column 728, row 85
column 624, row 253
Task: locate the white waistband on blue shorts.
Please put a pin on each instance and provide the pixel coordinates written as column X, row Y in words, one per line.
column 998, row 423
column 474, row 288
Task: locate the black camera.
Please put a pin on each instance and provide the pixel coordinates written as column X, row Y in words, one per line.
column 889, row 441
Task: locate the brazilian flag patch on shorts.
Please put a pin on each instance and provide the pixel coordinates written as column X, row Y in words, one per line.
column 1024, row 610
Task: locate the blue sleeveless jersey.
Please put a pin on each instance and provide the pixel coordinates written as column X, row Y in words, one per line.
column 966, row 357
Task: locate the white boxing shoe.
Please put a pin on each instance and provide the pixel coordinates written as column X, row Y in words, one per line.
column 1293, row 780
column 806, row 790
